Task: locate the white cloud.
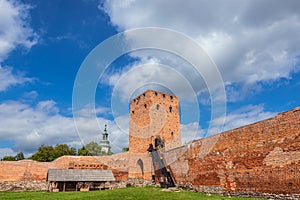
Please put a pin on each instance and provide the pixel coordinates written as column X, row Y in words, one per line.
column 91, row 110
column 29, row 127
column 190, row 132
column 30, row 95
column 8, row 78
column 15, row 31
column 14, row 27
column 151, row 75
column 47, row 106
column 244, row 116
column 7, row 152
column 251, row 42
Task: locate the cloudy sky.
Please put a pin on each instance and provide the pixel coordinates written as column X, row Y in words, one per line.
column 252, row 45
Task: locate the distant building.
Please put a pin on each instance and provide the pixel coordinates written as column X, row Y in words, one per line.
column 104, row 143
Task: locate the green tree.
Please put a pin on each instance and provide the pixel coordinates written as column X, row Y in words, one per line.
column 8, row 158
column 94, row 148
column 44, row 154
column 125, row 149
column 83, row 152
column 63, row 149
column 50, row 153
column 20, row 156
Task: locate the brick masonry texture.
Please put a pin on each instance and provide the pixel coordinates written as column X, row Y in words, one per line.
column 28, row 170
column 258, row 159
column 262, row 157
column 154, row 114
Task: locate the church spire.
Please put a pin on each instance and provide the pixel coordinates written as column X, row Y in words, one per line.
column 104, row 143
column 105, row 134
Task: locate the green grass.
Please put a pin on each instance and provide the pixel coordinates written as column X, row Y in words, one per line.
column 133, row 193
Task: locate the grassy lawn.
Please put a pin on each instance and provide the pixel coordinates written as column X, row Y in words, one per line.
column 133, row 193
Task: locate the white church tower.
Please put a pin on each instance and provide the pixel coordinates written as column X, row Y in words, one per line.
column 104, row 143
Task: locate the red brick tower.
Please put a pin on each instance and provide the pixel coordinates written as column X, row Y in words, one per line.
column 154, row 114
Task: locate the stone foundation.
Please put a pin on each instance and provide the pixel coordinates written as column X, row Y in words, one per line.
column 23, row 186
column 221, row 191
column 43, row 185
column 267, row 195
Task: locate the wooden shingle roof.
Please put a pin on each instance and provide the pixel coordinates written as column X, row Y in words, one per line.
column 79, row 175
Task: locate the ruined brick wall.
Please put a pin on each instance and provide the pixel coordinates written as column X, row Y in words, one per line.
column 154, row 114
column 29, row 170
column 262, row 157
column 25, row 170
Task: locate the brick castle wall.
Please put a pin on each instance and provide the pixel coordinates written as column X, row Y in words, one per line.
column 29, row 170
column 262, row 157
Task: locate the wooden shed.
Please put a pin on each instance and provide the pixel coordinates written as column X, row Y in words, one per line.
column 79, row 179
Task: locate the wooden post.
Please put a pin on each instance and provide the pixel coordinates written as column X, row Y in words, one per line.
column 64, row 187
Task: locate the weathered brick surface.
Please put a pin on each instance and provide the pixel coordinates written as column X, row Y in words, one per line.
column 29, row 170
column 140, row 166
column 154, row 114
column 262, row 157
column 25, row 170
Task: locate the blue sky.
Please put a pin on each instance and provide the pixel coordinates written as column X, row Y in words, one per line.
column 254, row 46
